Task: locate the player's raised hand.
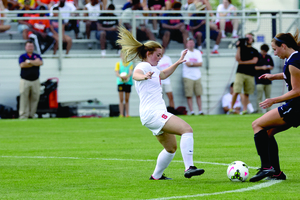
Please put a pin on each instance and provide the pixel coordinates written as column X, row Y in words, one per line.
column 181, row 59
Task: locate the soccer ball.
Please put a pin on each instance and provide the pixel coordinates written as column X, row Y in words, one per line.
column 123, row 74
column 238, row 171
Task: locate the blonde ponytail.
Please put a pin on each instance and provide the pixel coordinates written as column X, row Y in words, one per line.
column 131, row 48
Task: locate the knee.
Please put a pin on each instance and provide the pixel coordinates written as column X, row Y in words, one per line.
column 171, row 149
column 187, row 129
column 103, row 33
column 255, row 124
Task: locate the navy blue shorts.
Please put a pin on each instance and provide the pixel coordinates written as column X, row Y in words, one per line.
column 290, row 113
column 124, row 88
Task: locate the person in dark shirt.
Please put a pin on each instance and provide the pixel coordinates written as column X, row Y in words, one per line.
column 247, row 57
column 29, row 85
column 285, row 46
column 173, row 29
column 264, row 66
column 108, row 30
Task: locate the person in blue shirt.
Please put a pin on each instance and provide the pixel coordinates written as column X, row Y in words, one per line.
column 30, row 63
column 173, row 29
column 285, row 46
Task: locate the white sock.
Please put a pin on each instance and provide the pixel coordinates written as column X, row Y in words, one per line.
column 216, row 47
column 163, row 161
column 187, row 148
column 223, row 33
column 234, row 32
column 250, row 107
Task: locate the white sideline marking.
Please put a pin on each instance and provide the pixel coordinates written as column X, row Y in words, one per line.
column 117, row 159
column 256, row 187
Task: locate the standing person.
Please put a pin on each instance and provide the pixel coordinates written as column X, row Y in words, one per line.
column 279, row 119
column 166, row 86
column 153, row 112
column 247, row 57
column 264, row 66
column 29, row 85
column 191, row 75
column 124, row 82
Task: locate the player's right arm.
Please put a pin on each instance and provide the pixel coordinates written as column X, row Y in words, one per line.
column 139, row 75
column 272, row 77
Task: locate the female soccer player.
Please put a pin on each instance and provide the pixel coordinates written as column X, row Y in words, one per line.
column 285, row 46
column 153, row 112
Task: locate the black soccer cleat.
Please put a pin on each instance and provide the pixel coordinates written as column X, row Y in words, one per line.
column 280, row 176
column 263, row 173
column 163, row 177
column 193, row 171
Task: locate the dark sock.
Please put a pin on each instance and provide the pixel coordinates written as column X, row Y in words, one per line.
column 273, row 151
column 261, row 140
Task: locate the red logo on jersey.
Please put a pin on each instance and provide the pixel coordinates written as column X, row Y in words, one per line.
column 164, row 116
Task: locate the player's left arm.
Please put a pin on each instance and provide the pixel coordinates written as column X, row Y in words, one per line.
column 168, row 71
column 295, row 92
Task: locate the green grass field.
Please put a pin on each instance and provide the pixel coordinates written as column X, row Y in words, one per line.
column 113, row 158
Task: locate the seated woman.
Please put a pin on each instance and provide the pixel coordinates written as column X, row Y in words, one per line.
column 54, row 29
column 227, row 25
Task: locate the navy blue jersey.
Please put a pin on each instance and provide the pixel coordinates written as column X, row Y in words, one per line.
column 294, row 60
column 267, row 60
column 31, row 73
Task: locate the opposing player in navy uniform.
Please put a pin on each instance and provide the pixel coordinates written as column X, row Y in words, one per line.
column 285, row 46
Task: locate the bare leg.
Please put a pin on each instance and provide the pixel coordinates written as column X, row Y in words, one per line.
column 121, row 105
column 127, row 95
column 190, row 103
column 199, row 102
column 171, row 100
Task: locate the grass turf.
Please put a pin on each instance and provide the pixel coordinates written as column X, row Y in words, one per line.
column 113, row 158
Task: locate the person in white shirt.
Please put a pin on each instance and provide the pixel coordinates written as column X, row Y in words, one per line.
column 227, row 25
column 226, row 102
column 191, row 75
column 93, row 9
column 69, row 24
column 164, row 63
column 152, row 108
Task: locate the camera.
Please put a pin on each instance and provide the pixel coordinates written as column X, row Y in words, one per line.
column 243, row 41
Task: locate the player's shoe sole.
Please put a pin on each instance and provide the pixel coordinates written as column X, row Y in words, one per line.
column 163, row 177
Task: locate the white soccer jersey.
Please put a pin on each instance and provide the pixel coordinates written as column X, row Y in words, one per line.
column 150, row 92
column 164, row 63
column 192, row 73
